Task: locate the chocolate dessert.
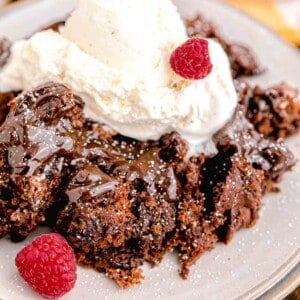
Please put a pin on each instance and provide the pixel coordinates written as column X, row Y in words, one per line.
column 275, row 111
column 120, row 202
column 33, row 139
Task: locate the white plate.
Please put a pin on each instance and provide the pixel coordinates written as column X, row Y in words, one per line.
column 257, row 258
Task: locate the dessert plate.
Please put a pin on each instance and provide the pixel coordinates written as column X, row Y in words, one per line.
column 259, row 262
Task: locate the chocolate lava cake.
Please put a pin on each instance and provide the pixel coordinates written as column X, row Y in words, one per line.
column 120, row 202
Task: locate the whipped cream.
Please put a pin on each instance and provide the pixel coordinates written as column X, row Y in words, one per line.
column 115, row 55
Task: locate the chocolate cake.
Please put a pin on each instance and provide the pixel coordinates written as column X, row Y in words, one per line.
column 120, row 202
column 33, row 139
column 275, row 111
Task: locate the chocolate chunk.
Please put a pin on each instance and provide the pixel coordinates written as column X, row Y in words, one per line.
column 275, row 111
column 242, row 60
column 273, row 157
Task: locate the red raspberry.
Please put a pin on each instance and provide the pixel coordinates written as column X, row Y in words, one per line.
column 48, row 265
column 191, row 60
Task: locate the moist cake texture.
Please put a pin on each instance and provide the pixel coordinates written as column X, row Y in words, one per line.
column 275, row 111
column 120, row 202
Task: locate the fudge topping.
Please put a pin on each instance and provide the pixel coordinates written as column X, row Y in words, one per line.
column 35, row 129
column 33, row 137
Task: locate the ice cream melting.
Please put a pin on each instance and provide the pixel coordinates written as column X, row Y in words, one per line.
column 115, row 55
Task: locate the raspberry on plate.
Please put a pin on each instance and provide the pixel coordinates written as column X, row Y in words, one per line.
column 48, row 265
column 191, row 60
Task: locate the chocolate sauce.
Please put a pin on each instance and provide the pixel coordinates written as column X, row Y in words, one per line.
column 34, row 138
column 273, row 157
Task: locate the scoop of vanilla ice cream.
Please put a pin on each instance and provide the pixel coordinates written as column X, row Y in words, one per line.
column 115, row 55
column 132, row 36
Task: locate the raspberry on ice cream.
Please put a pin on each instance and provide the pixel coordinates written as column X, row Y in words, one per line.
column 191, row 60
column 48, row 265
